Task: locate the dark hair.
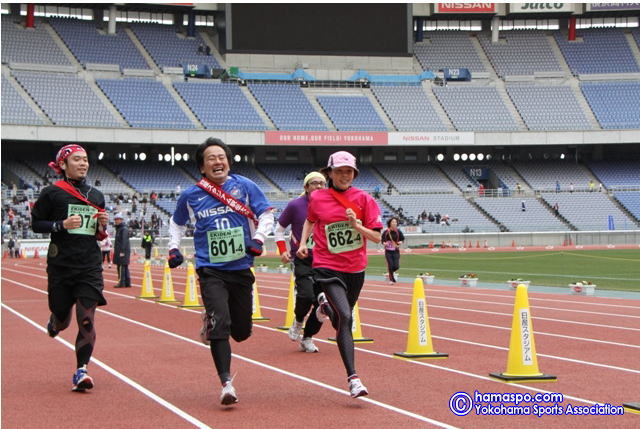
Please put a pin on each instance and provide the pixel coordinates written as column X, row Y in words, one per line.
column 211, row 141
column 392, row 218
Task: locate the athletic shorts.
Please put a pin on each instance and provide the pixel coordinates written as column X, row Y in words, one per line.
column 66, row 285
column 228, row 296
column 351, row 282
column 306, row 287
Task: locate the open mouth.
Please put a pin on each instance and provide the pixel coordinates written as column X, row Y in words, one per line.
column 217, row 170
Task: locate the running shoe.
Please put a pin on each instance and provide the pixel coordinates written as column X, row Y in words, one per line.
column 295, row 331
column 207, row 326
column 81, row 380
column 306, row 345
column 228, row 396
column 324, row 308
column 50, row 329
column 357, row 388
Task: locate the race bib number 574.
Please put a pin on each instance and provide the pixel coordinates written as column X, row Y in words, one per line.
column 342, row 238
column 88, row 222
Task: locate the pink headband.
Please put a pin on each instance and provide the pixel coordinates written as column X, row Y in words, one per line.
column 64, row 153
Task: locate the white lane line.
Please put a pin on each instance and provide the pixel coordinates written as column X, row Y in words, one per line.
column 246, row 359
column 389, row 356
column 168, row 405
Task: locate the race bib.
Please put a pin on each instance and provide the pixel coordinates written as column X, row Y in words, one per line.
column 88, row 222
column 225, row 245
column 342, row 238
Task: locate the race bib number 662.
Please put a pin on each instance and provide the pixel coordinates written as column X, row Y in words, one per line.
column 342, row 238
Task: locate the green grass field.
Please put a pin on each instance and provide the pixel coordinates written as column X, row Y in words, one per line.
column 609, row 269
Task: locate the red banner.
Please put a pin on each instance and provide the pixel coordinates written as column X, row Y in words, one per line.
column 325, row 138
column 465, row 8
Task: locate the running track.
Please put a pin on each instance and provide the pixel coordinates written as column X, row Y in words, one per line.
column 151, row 371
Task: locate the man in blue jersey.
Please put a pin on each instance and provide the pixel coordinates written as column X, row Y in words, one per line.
column 232, row 220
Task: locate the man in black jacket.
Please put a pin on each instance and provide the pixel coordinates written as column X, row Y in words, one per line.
column 73, row 212
column 122, row 251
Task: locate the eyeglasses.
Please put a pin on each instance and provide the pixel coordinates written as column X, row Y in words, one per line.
column 316, row 183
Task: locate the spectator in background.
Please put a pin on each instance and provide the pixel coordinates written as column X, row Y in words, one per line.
column 592, row 185
column 518, row 188
column 556, row 209
column 122, row 252
column 11, row 245
column 557, row 186
column 200, row 49
column 207, row 50
column 600, row 187
column 481, row 190
column 147, row 243
column 437, row 217
column 523, row 206
column 571, row 187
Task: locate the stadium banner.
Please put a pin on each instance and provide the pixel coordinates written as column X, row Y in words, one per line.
column 431, row 139
column 325, row 138
column 597, row 7
column 465, row 8
column 541, row 7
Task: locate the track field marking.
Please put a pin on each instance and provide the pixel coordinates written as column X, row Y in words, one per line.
column 415, row 362
column 240, row 357
column 168, row 405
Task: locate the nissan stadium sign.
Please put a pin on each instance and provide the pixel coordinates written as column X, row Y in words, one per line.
column 541, row 7
column 465, row 8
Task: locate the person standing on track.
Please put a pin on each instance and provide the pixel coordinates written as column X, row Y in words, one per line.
column 105, row 247
column 392, row 238
column 232, row 220
column 73, row 212
column 306, row 290
column 342, row 219
column 122, row 251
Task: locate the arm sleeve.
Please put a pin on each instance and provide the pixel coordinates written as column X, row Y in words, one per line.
column 265, row 225
column 279, row 233
column 176, row 232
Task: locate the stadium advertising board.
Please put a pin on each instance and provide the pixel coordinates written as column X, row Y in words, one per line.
column 597, row 7
column 541, row 7
column 465, row 7
column 325, row 138
column 431, row 139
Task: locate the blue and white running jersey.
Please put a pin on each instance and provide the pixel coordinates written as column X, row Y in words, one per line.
column 221, row 235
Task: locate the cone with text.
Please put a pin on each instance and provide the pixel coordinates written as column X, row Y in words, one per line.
column 522, row 362
column 256, row 315
column 291, row 302
column 356, row 330
column 167, row 294
column 419, row 343
column 191, row 299
column 147, row 283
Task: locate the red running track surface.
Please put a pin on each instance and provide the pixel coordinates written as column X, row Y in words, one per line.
column 151, row 371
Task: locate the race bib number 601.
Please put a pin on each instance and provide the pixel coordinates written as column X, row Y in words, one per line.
column 225, row 244
column 88, row 222
column 342, row 238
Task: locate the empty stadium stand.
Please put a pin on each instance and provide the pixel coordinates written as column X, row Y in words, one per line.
column 448, row 49
column 29, row 45
column 408, row 108
column 614, row 103
column 15, row 109
column 351, row 113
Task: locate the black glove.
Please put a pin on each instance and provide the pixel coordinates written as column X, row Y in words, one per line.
column 175, row 258
column 254, row 247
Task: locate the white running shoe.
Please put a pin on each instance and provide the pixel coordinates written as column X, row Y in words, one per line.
column 228, row 396
column 322, row 313
column 306, row 345
column 357, row 388
column 295, row 331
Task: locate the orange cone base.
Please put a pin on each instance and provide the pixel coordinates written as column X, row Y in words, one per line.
column 422, row 355
column 632, row 407
column 523, row 378
column 260, row 319
column 355, row 340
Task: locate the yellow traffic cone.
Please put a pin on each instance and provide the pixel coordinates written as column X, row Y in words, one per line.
column 522, row 362
column 632, row 407
column 419, row 343
column 191, row 291
column 291, row 302
column 147, row 283
column 257, row 314
column 167, row 295
column 356, row 331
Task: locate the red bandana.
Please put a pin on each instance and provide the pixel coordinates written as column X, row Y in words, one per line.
column 63, row 154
